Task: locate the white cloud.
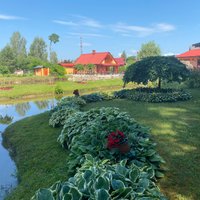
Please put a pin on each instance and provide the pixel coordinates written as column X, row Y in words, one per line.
column 10, row 17
column 68, row 23
column 87, row 34
column 165, row 27
column 80, row 21
column 142, row 31
column 91, row 23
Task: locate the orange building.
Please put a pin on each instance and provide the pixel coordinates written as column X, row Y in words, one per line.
column 41, row 71
column 104, row 63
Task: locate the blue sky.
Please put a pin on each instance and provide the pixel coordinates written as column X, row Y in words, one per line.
column 104, row 25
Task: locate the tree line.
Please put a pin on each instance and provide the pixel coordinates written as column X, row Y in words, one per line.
column 15, row 56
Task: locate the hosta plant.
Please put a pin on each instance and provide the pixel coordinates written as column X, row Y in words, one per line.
column 87, row 132
column 65, row 107
column 59, row 117
column 153, row 95
column 99, row 180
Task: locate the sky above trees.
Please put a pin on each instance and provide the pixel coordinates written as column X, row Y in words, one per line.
column 103, row 25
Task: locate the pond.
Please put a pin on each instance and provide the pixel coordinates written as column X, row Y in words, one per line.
column 8, row 115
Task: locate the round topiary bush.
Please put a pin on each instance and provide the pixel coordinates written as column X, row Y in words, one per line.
column 153, row 95
column 87, row 132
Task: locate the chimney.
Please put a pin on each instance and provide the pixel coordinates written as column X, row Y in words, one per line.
column 93, row 52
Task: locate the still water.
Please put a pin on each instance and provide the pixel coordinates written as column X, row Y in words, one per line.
column 8, row 115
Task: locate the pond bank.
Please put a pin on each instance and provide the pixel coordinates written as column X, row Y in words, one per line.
column 40, row 162
column 8, row 115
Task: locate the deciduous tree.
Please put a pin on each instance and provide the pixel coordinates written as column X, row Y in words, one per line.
column 149, row 49
column 156, row 68
column 38, row 49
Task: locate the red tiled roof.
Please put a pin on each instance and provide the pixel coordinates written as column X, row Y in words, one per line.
column 190, row 53
column 67, row 64
column 92, row 58
column 120, row 61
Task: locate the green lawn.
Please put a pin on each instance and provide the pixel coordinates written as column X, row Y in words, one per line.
column 176, row 129
column 174, row 126
column 30, row 91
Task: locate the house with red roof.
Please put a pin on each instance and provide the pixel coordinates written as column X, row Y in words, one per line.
column 104, row 63
column 192, row 57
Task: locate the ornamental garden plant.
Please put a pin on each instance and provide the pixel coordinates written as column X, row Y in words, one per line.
column 156, row 68
column 111, row 155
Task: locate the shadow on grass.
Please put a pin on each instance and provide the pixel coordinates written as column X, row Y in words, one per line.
column 176, row 129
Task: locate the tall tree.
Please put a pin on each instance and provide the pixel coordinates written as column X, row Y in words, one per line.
column 7, row 58
column 53, row 57
column 149, row 49
column 156, row 68
column 123, row 55
column 38, row 49
column 18, row 45
column 54, row 38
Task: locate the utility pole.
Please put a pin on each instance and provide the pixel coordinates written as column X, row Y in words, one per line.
column 81, row 45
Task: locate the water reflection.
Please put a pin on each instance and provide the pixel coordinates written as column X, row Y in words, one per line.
column 6, row 119
column 22, row 108
column 42, row 104
column 9, row 114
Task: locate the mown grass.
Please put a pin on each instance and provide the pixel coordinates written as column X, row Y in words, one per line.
column 40, row 160
column 176, row 129
column 36, row 90
column 174, row 126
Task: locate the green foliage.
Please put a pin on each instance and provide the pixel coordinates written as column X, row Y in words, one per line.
column 123, row 55
column 59, row 117
column 18, row 45
column 38, row 49
column 58, row 90
column 79, row 67
column 149, row 49
column 7, row 58
column 94, row 97
column 54, row 38
column 98, row 180
column 87, row 132
column 65, row 108
column 153, row 95
column 90, row 66
column 156, row 68
column 6, row 119
column 56, row 69
column 53, row 57
column 194, row 79
column 4, row 70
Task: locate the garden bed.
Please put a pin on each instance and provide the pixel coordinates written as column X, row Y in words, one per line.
column 153, row 95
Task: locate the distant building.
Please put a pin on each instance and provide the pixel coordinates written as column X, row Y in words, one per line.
column 19, row 72
column 41, row 71
column 69, row 67
column 104, row 63
column 192, row 57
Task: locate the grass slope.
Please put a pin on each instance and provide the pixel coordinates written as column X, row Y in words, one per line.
column 40, row 159
column 176, row 129
column 34, row 90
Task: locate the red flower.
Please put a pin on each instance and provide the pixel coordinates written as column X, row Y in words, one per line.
column 115, row 139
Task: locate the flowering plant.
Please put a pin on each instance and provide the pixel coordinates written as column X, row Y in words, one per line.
column 116, row 139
